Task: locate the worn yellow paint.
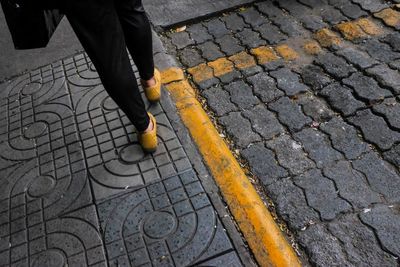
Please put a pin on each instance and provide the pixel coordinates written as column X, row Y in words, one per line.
column 390, row 16
column 201, row 72
column 243, row 60
column 221, row 66
column 172, row 75
column 287, row 52
column 312, row 47
column 369, row 27
column 351, row 31
column 264, row 54
column 327, row 38
column 256, row 223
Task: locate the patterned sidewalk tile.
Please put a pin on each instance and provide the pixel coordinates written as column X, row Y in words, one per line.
column 78, row 190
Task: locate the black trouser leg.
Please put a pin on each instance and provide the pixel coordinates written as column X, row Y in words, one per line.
column 138, row 35
column 98, row 28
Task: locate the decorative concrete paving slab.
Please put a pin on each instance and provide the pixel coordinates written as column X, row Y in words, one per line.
column 78, row 190
column 169, row 13
column 308, row 94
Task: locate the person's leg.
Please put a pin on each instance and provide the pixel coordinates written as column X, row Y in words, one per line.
column 138, row 35
column 98, row 28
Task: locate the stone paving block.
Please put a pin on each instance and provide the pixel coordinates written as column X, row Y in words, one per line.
column 390, row 109
column 383, row 219
column 321, row 194
column 292, row 204
column 318, row 147
column 341, row 99
column 349, row 9
column 360, row 243
column 265, row 87
column 230, row 76
column 234, row 22
column 288, row 25
column 229, row 45
column 263, row 163
column 351, row 31
column 252, row 17
column 269, row 9
column 369, row 26
column 294, row 7
column 351, row 184
column 190, row 57
column 357, row 58
column 271, row 33
column 246, row 63
column 290, row 154
column 366, row 88
column 267, row 58
column 313, row 23
column 393, row 155
column 239, row 129
column 216, row 28
column 375, row 129
column 181, row 39
column 393, row 39
column 380, row 51
column 201, row 73
column 288, row 81
column 313, row 3
column 381, row 176
column 395, row 64
column 371, row 5
column 386, row 76
column 250, row 38
column 198, row 33
column 210, row 51
column 241, row 94
column 289, row 113
column 334, row 65
column 322, row 246
column 344, row 138
column 286, row 52
column 328, row 38
column 264, row 121
column 315, row 107
column 219, row 100
column 332, row 16
column 222, row 67
column 312, row 47
column 390, row 17
column 315, row 77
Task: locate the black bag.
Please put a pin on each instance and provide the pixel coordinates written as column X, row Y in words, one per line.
column 30, row 26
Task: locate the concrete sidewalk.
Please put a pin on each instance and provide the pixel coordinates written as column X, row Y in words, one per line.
column 77, row 189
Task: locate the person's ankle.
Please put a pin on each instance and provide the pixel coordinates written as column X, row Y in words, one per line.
column 149, row 83
column 150, row 127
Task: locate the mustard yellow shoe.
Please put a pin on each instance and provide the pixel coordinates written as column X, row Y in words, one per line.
column 153, row 93
column 148, row 140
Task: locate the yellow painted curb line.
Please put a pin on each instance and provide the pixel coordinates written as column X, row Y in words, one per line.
column 256, row 223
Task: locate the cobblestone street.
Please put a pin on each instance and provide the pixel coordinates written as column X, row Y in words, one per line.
column 308, row 92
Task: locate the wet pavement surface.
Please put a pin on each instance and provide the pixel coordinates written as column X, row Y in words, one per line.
column 77, row 189
column 308, row 92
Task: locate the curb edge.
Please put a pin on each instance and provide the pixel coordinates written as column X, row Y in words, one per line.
column 265, row 239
